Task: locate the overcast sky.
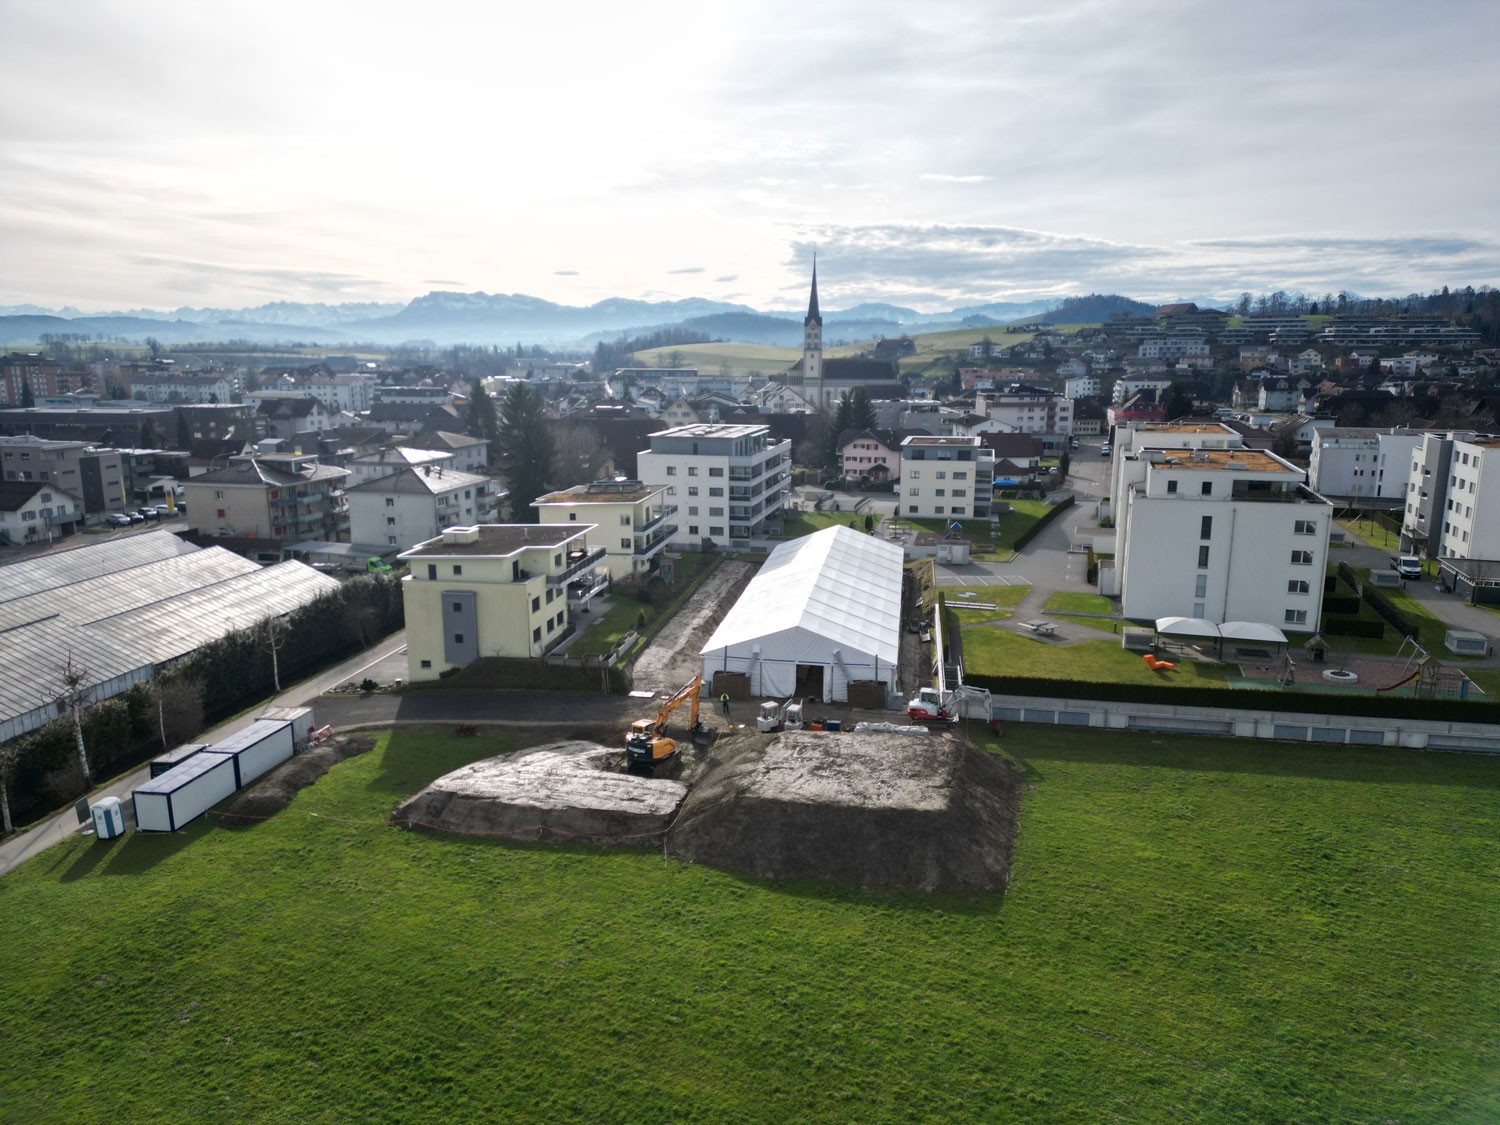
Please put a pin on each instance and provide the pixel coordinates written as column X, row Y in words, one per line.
column 157, row 153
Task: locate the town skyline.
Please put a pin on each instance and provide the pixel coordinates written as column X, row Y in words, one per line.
column 940, row 156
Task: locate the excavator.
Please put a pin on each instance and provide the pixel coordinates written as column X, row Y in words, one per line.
column 647, row 743
column 931, row 706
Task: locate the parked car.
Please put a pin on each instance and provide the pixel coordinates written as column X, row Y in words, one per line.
column 147, row 513
column 163, row 512
column 134, row 517
column 117, row 519
column 1104, row 450
column 1072, row 443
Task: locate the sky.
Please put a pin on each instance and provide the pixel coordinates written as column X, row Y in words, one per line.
column 934, row 154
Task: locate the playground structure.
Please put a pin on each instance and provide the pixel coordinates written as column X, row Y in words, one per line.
column 1429, row 678
column 1158, row 665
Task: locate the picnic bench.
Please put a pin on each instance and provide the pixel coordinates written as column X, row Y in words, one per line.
column 467, row 728
column 1041, row 628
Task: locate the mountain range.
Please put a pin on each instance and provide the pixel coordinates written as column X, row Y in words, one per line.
column 443, row 318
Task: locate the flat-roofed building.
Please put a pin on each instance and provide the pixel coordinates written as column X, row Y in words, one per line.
column 946, row 478
column 496, row 590
column 728, row 480
column 635, row 521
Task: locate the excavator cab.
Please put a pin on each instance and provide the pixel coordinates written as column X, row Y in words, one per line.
column 646, row 743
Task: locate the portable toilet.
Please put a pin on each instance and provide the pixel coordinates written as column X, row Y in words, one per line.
column 109, row 818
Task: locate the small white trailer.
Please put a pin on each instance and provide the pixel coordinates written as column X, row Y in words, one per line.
column 301, row 719
column 175, row 757
column 257, row 748
column 166, row 803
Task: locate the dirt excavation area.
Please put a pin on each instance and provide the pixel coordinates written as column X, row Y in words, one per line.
column 894, row 811
column 275, row 791
column 671, row 659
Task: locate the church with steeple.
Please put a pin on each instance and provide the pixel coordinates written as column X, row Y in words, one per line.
column 821, row 383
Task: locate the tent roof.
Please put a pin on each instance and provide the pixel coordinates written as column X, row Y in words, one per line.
column 1186, row 627
column 1251, row 631
column 836, row 583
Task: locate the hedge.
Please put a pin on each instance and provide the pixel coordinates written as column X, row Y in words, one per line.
column 520, row 673
column 1374, row 706
column 1393, row 616
column 1047, row 517
column 1353, row 627
column 1343, row 605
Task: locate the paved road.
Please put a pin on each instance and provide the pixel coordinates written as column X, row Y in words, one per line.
column 42, row 835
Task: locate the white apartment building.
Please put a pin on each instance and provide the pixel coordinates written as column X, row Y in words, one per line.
column 1361, row 463
column 634, row 522
column 346, row 394
column 945, row 478
column 1173, row 348
column 410, row 505
column 1021, row 408
column 727, row 480
column 373, row 466
column 1224, row 534
column 1084, row 386
column 1473, row 482
column 1132, row 385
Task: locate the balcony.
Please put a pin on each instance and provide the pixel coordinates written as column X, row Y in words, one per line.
column 577, row 563
column 660, row 533
column 666, row 511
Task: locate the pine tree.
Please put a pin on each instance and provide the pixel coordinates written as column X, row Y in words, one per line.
column 861, row 411
column 526, row 449
column 482, row 420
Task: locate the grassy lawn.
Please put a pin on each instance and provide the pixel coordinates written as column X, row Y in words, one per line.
column 626, row 612
column 1098, row 624
column 1005, row 598
column 798, row 524
column 731, row 358
column 999, row 652
column 1375, row 534
column 1196, row 931
column 1066, row 601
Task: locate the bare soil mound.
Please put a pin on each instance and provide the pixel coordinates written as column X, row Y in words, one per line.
column 274, row 792
column 875, row 810
column 570, row 790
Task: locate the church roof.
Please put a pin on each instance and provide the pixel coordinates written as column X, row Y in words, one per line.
column 813, row 316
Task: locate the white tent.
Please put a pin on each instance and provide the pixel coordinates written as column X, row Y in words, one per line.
column 822, row 611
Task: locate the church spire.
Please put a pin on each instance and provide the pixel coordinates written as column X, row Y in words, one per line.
column 813, row 316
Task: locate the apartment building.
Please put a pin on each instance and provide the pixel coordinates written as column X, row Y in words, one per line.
column 728, row 480
column 1026, row 409
column 94, row 475
column 869, row 454
column 1224, row 534
column 946, row 478
column 1467, row 532
column 1362, row 465
column 635, row 521
column 1082, row 386
column 1427, row 491
column 34, row 512
column 269, row 501
column 411, row 505
column 496, row 590
column 384, row 462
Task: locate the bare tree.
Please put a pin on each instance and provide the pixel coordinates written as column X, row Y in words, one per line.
column 75, row 679
column 274, row 631
column 10, row 757
column 179, row 710
column 579, row 454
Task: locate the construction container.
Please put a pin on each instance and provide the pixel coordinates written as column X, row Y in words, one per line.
column 256, row 749
column 109, row 818
column 301, row 719
column 174, row 758
column 166, row 803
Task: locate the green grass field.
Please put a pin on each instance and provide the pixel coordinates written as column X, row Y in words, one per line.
column 1003, row 598
column 1069, row 601
column 1196, row 931
column 999, row 652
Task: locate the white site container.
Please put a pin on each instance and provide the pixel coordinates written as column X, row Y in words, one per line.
column 109, row 818
column 301, row 719
column 163, row 763
column 166, row 803
column 255, row 749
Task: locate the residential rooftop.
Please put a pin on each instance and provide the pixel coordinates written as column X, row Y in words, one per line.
column 498, row 539
column 711, row 429
column 601, row 492
column 1180, row 428
column 1229, row 460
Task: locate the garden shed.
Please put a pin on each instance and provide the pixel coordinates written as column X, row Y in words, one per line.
column 823, row 611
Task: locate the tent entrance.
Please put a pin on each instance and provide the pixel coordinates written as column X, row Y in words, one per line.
column 809, row 681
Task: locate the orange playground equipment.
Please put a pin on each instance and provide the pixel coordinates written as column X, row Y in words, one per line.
column 1158, row 665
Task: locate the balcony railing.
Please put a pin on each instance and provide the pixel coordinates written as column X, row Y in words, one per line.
column 666, row 511
column 576, row 564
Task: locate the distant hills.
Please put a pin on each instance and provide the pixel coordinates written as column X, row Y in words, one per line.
column 444, row 318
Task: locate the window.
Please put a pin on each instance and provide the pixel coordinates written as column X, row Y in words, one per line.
column 716, row 531
column 550, row 595
column 218, row 494
column 692, row 527
column 1200, row 609
column 1302, row 558
column 625, row 543
column 625, row 520
column 426, row 664
column 1297, row 586
column 1295, row 617
column 716, row 511
column 458, row 638
column 671, row 470
column 431, row 570
column 390, row 501
column 719, row 472
column 1202, row 557
column 692, row 509
column 960, row 475
column 692, row 490
column 390, row 521
column 941, row 475
column 457, row 570
column 221, row 513
column 1207, row 489
column 716, row 492
column 458, row 607
column 536, row 605
column 937, row 509
column 692, row 470
column 536, row 634
column 1171, row 487
column 391, row 539
column 911, row 509
column 915, row 474
column 1200, row 590
column 957, row 492
column 914, row 492
column 940, row 492
column 1206, row 527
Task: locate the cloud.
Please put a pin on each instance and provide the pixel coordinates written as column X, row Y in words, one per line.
column 454, row 285
column 689, row 269
column 946, row 178
column 728, row 277
column 186, row 276
column 564, row 273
